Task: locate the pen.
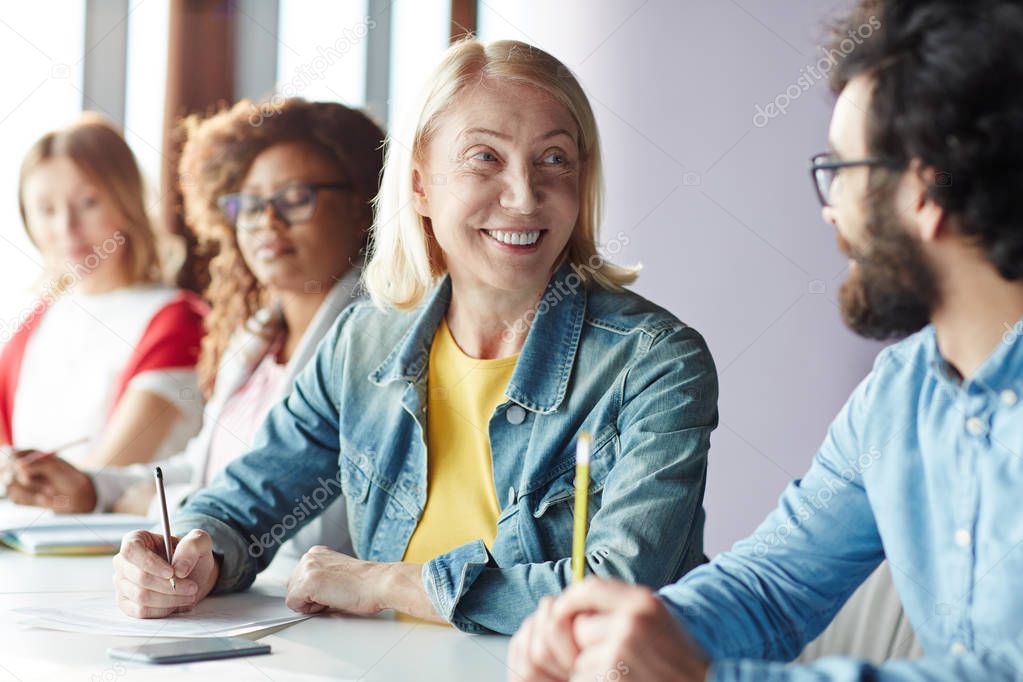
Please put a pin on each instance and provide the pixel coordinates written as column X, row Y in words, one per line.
column 166, row 522
column 582, row 494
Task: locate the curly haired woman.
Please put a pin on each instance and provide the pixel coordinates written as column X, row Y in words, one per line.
column 286, row 205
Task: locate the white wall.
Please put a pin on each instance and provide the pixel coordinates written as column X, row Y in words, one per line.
column 43, row 92
column 720, row 211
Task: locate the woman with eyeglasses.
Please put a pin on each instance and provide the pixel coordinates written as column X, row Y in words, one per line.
column 286, row 206
column 447, row 410
column 101, row 369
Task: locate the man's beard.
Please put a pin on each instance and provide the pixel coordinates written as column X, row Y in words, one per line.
column 893, row 289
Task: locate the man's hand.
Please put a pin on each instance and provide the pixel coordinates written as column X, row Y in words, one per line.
column 142, row 575
column 43, row 479
column 615, row 630
column 544, row 648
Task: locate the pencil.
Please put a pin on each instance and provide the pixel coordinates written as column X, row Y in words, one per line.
column 166, row 522
column 582, row 495
column 36, row 455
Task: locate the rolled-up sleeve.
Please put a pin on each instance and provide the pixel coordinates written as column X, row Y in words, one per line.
column 264, row 497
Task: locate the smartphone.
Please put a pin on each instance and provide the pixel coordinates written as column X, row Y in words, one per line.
column 188, row 650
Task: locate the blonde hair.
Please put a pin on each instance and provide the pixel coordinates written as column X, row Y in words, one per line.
column 99, row 151
column 405, row 262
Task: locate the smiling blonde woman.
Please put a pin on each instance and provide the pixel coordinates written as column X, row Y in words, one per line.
column 446, row 411
column 407, row 263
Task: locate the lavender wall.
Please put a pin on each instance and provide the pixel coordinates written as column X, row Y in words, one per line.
column 719, row 209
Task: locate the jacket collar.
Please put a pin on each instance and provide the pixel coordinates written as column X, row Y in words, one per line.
column 541, row 376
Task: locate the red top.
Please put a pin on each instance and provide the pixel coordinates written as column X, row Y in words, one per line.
column 171, row 341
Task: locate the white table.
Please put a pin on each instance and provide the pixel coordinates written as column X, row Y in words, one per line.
column 323, row 647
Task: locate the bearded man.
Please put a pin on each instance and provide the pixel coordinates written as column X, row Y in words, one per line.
column 924, row 464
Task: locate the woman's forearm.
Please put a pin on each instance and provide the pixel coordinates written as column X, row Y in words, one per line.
column 135, row 432
column 401, row 588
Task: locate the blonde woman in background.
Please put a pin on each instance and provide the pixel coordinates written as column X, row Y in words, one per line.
column 446, row 411
column 106, row 358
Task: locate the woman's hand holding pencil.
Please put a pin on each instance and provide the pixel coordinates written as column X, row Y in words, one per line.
column 142, row 574
column 40, row 478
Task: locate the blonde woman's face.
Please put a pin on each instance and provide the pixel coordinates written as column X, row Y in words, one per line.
column 308, row 255
column 72, row 221
column 500, row 185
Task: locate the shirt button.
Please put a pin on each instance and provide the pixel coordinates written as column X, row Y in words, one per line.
column 1009, row 397
column 976, row 426
column 511, row 495
column 957, row 649
column 515, row 414
column 963, row 537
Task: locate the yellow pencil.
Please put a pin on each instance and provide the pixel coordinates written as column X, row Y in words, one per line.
column 582, row 494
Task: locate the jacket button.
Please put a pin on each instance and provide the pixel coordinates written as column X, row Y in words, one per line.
column 515, row 415
column 976, row 426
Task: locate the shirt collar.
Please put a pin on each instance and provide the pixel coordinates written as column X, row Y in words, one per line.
column 1001, row 371
column 541, row 376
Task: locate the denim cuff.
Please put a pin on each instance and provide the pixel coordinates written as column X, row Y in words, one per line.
column 740, row 670
column 721, row 671
column 237, row 567
column 449, row 576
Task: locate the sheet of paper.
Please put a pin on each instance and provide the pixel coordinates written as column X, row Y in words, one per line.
column 220, row 616
column 16, row 515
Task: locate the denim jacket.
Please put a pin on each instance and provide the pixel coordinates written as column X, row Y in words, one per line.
column 639, row 380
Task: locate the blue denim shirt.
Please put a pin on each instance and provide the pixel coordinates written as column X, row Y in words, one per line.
column 919, row 467
column 641, row 382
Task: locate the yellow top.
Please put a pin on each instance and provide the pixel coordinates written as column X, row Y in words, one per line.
column 461, row 502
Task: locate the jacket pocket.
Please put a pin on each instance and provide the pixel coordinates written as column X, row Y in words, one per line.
column 355, row 483
column 562, row 487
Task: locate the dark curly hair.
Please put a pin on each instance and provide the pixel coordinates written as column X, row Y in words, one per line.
column 948, row 90
column 217, row 154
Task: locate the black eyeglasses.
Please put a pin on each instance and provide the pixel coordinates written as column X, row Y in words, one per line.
column 294, row 203
column 824, row 169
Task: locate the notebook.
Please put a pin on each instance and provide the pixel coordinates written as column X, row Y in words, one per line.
column 73, row 533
